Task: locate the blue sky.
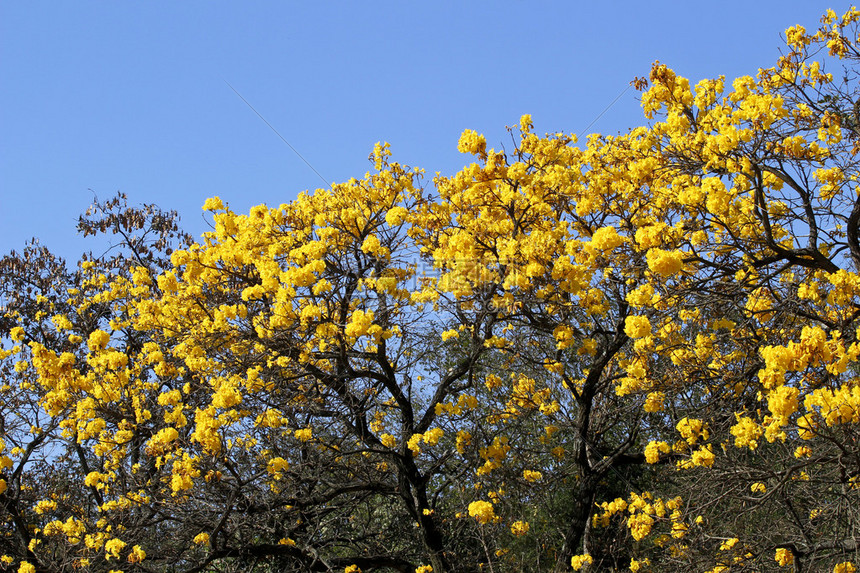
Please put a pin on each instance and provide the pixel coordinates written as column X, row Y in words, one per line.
column 99, row 97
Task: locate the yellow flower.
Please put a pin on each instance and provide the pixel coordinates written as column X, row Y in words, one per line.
column 640, row 525
column 304, row 434
column 471, row 142
column 113, row 548
column 482, row 511
column 449, row 334
column 431, row 437
column 520, row 528
column 526, row 124
column 580, row 561
column 758, row 487
column 45, row 505
column 395, row 216
column 98, row 340
column 704, row 457
column 414, row 443
column 359, row 323
column 606, row 239
column 213, row 204
column 692, row 429
column 137, row 554
column 802, row 452
column 160, row 441
column 664, row 263
column 784, row 557
column 654, row 402
column 277, row 465
column 654, row 449
column 637, row 326
column 201, row 538
column 371, row 245
column 746, row 432
column 464, row 438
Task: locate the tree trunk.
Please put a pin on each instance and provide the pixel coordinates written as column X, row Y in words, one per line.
column 583, row 506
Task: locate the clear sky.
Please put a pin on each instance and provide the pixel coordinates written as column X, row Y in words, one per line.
column 97, row 97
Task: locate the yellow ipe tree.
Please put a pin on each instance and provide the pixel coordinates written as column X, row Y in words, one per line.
column 636, row 353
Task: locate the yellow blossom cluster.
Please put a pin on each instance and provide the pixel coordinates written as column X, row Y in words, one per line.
column 483, row 512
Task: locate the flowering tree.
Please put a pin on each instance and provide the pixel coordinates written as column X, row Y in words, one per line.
column 636, row 353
